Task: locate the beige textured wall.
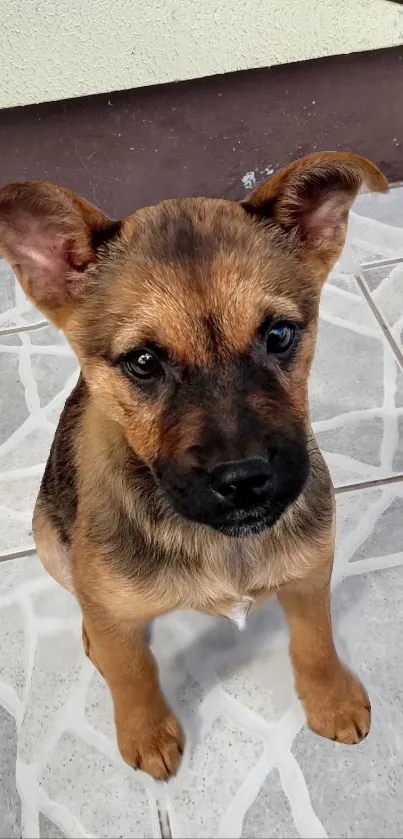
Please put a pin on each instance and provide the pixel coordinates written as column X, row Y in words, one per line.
column 55, row 49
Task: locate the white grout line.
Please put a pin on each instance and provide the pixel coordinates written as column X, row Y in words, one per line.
column 18, row 554
column 370, row 484
column 360, row 280
column 14, row 330
column 381, row 263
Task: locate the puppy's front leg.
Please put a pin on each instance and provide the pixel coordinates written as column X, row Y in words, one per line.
column 335, row 702
column 149, row 736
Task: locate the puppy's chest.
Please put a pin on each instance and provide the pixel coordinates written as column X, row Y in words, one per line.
column 243, row 583
column 238, row 611
column 238, row 607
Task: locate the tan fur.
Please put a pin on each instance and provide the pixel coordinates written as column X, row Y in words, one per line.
column 54, row 556
column 197, row 278
column 335, row 702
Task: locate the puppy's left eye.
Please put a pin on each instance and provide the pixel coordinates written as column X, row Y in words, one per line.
column 142, row 364
column 280, row 338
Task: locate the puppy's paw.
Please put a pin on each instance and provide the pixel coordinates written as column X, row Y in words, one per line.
column 338, row 708
column 156, row 749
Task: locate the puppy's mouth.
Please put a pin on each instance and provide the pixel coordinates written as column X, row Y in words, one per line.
column 245, row 522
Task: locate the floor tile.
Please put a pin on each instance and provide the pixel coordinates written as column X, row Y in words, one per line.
column 13, row 408
column 16, row 508
column 15, row 309
column 383, row 207
column 10, row 805
column 103, row 796
column 270, row 814
column 201, row 798
column 12, row 638
column 370, row 527
column 375, row 230
column 355, row 388
column 37, row 371
column 371, row 234
column 385, row 285
column 48, row 829
column 355, row 790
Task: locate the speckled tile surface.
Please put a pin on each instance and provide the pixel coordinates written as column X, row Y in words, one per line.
column 251, row 769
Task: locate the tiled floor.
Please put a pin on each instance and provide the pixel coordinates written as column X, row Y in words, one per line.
column 251, row 769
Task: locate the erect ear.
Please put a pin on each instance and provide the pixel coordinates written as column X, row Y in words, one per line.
column 309, row 201
column 51, row 237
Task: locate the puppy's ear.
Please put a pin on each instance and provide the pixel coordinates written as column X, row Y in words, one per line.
column 309, row 202
column 51, row 238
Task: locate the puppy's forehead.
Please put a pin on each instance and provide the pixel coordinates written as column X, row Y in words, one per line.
column 198, row 276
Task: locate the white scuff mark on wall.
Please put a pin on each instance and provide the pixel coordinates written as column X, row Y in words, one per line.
column 249, row 179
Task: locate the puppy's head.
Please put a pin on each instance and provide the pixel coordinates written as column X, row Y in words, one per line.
column 195, row 324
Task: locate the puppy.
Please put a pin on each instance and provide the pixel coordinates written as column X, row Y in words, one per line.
column 184, row 472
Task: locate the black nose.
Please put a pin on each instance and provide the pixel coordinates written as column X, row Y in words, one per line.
column 244, row 483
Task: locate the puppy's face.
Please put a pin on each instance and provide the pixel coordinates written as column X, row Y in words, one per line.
column 197, row 338
column 195, row 323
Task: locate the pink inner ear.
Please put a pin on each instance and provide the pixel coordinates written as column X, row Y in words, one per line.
column 44, row 265
column 322, row 224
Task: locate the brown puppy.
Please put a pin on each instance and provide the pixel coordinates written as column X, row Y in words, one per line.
column 184, row 472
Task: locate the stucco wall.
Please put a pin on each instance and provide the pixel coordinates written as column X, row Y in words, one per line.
column 55, row 49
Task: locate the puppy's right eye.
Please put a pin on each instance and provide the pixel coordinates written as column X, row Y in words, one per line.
column 142, row 364
column 280, row 338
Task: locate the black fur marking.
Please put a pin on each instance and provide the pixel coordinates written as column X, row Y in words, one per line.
column 59, row 483
column 104, row 233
